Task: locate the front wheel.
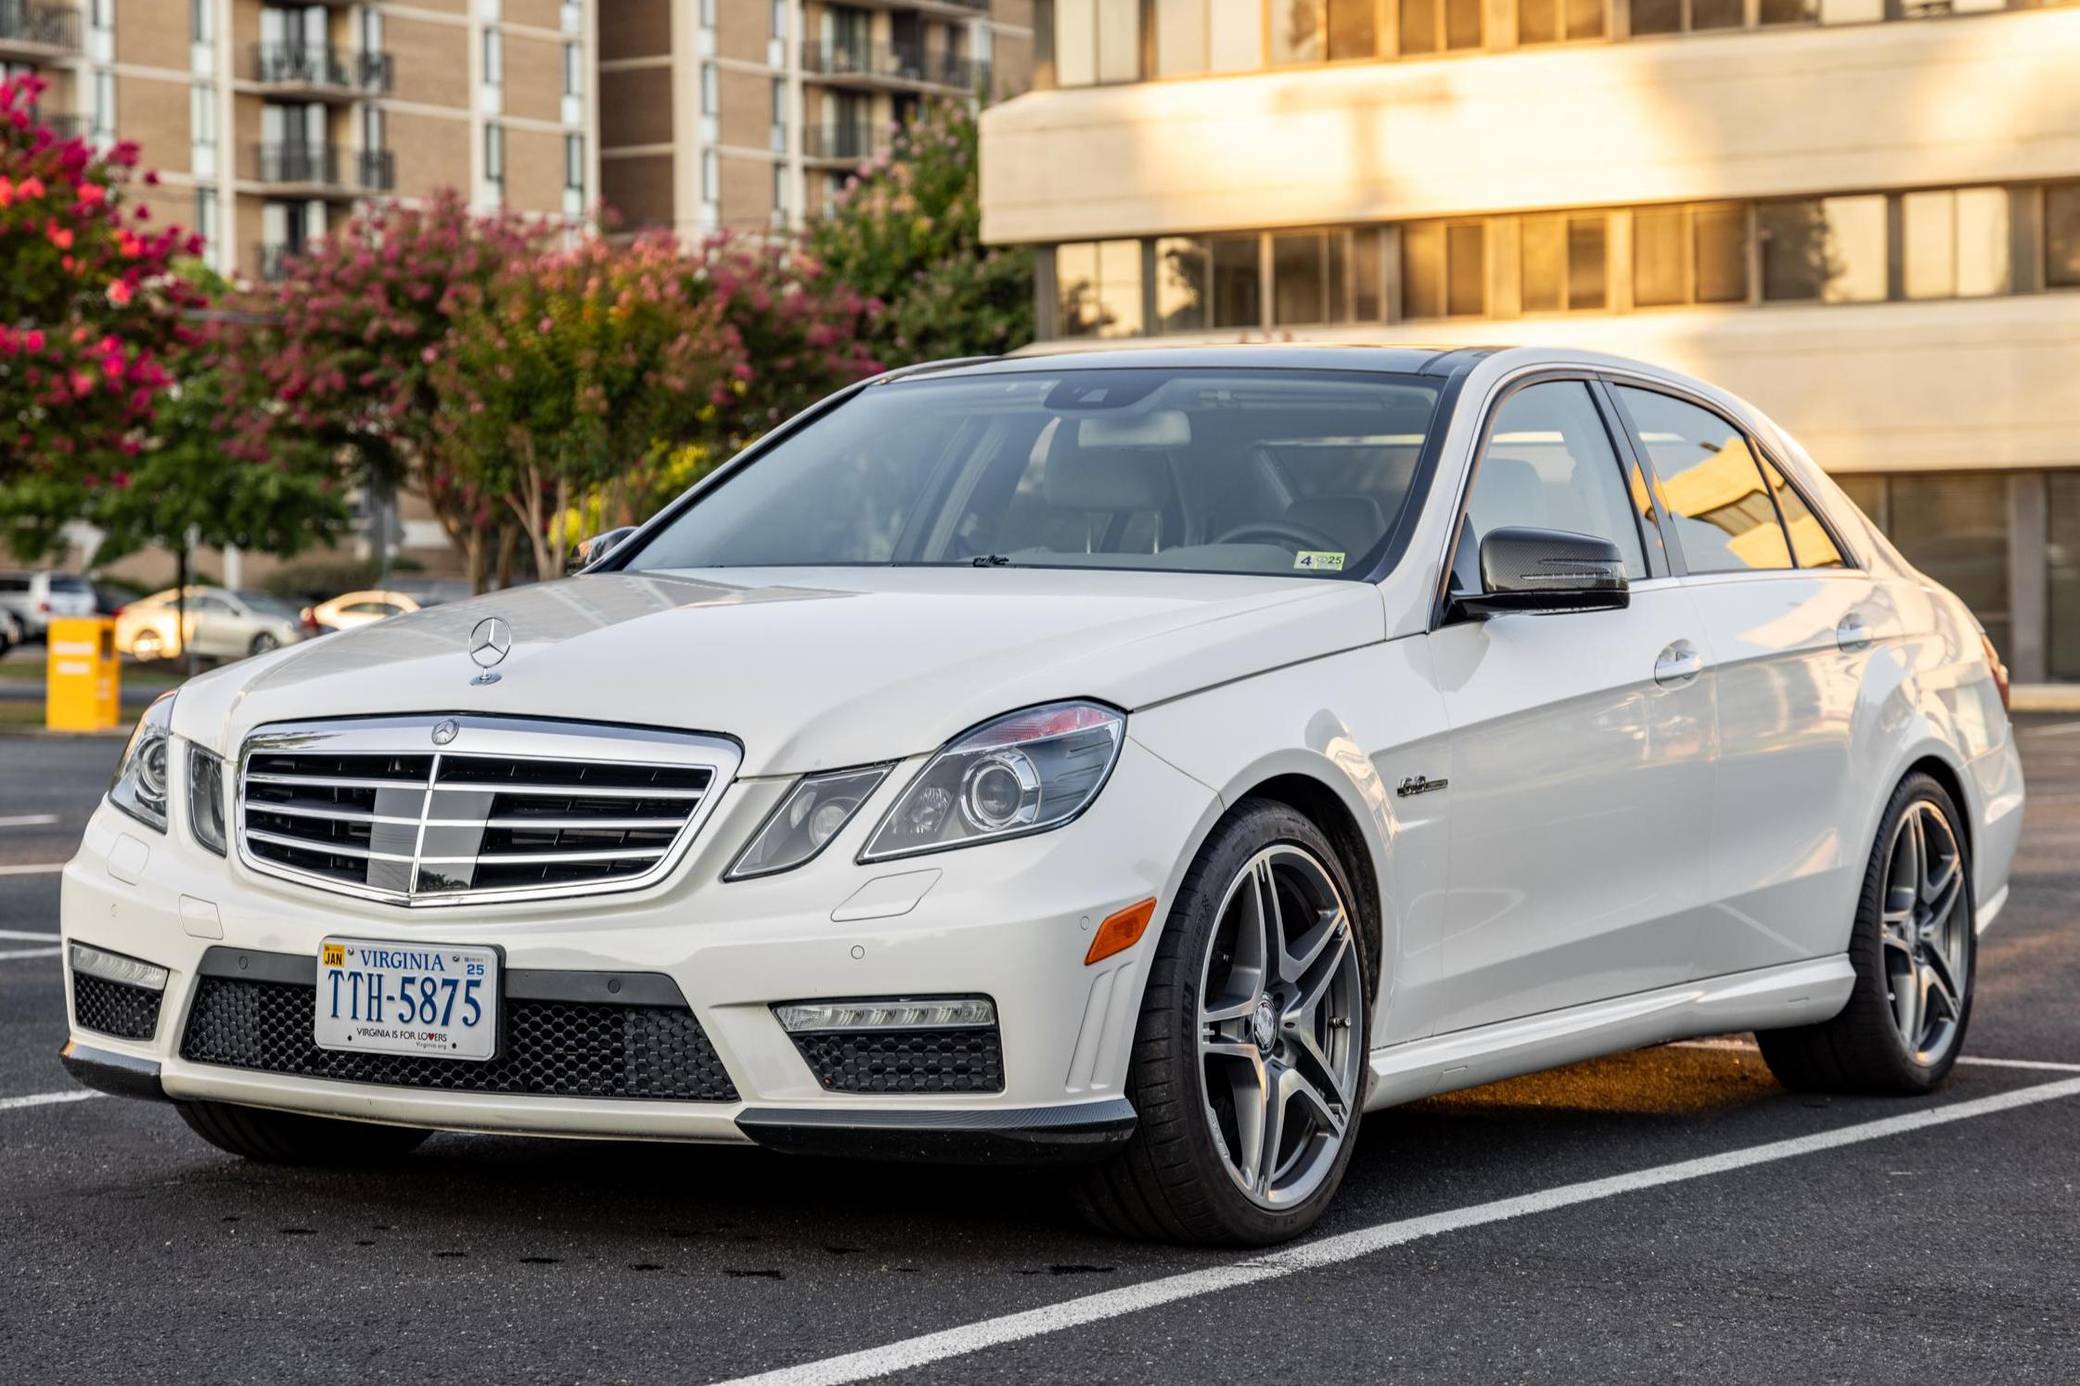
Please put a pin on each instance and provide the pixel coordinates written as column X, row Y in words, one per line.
column 1249, row 1060
column 290, row 1138
column 1914, row 948
column 262, row 643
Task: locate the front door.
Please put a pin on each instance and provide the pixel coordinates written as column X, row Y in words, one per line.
column 1582, row 744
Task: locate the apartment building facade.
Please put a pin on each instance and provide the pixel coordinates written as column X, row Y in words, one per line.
column 266, row 122
column 750, row 114
column 1863, row 215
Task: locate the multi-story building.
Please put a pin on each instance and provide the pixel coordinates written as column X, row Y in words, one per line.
column 750, row 114
column 1863, row 215
column 267, row 121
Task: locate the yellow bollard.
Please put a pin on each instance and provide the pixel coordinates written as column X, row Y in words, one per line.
column 83, row 688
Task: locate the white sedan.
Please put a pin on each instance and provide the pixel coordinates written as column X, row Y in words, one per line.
column 351, row 609
column 219, row 624
column 1154, row 759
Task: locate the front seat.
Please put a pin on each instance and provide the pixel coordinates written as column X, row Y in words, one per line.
column 1113, row 467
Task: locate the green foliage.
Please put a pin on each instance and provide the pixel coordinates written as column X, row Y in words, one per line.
column 907, row 234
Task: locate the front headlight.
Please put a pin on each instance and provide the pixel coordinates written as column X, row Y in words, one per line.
column 810, row 816
column 140, row 783
column 206, row 798
column 1023, row 773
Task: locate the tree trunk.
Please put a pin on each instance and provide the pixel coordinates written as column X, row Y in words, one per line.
column 180, row 604
column 508, row 549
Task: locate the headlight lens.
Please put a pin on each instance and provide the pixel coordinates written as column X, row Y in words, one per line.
column 1022, row 773
column 206, row 798
column 808, row 818
column 140, row 784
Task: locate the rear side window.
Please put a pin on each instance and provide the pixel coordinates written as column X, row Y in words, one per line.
column 1725, row 520
column 1811, row 544
column 66, row 582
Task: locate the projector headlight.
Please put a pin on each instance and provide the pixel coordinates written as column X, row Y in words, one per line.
column 1022, row 773
column 139, row 788
column 809, row 817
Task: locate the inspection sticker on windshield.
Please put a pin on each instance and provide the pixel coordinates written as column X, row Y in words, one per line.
column 1321, row 560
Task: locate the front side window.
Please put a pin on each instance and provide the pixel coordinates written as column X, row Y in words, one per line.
column 1289, row 472
column 1724, row 518
column 1549, row 464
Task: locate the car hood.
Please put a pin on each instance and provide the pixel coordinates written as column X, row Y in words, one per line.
column 806, row 668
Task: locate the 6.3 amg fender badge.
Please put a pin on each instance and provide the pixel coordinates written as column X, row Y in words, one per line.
column 1419, row 784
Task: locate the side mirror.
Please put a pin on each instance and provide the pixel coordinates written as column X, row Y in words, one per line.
column 1526, row 569
column 594, row 549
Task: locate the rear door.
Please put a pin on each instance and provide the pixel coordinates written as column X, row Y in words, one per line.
column 1580, row 775
column 1792, row 626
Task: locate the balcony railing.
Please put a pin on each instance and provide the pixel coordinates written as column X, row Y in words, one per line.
column 903, row 65
column 326, row 166
column 846, row 143
column 63, row 126
column 320, row 66
column 273, row 260
column 24, row 25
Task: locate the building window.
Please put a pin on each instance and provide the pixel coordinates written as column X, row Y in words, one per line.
column 1825, row 249
column 1564, row 263
column 103, row 116
column 779, row 130
column 1694, row 254
column 1956, row 243
column 1788, row 12
column 1096, row 41
column 1313, row 31
column 495, row 154
column 707, row 14
column 2062, row 236
column 494, row 58
column 1238, row 286
column 202, row 21
column 1444, row 269
column 1310, row 277
column 1208, row 36
column 573, row 70
column 1686, row 16
column 206, row 222
column 1559, row 21
column 711, row 178
column 1955, row 529
column 1098, row 289
column 1183, row 280
column 711, row 90
column 780, row 8
column 574, row 163
column 202, row 116
column 1438, row 26
column 779, row 194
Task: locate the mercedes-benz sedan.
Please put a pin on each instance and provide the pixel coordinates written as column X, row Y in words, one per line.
column 1154, row 759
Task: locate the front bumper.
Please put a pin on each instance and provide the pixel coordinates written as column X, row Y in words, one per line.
column 1010, row 921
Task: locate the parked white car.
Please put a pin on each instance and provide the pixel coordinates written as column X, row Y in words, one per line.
column 1152, row 758
column 33, row 599
column 220, row 624
column 351, row 609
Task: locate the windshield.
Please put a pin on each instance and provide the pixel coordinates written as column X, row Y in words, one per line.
column 267, row 603
column 1295, row 472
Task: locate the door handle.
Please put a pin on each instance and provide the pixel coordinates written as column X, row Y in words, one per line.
column 1678, row 665
column 1852, row 633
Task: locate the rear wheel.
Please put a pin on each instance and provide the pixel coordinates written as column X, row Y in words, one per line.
column 290, row 1138
column 1249, row 1059
column 1915, row 951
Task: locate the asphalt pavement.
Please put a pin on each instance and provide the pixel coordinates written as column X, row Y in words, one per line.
column 1665, row 1214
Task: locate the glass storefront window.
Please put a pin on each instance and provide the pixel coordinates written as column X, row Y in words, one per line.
column 1956, row 243
column 1098, row 289
column 2062, row 559
column 1183, row 274
column 1955, row 529
column 2062, row 236
column 1829, row 249
column 1238, row 293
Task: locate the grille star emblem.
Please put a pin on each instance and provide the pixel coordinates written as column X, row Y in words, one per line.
column 444, row 732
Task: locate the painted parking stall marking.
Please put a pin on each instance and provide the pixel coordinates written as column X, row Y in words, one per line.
column 1348, row 1246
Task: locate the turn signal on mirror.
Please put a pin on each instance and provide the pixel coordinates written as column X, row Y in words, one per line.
column 1121, row 931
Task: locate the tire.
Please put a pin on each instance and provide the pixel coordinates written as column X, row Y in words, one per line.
column 262, row 643
column 1914, row 970
column 290, row 1138
column 1175, row 1179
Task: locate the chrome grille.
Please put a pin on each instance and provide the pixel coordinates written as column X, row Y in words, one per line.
column 505, row 809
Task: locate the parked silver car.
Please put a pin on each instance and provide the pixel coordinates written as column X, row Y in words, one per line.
column 34, row 598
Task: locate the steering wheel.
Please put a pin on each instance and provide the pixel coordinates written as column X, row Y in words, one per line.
column 1287, row 532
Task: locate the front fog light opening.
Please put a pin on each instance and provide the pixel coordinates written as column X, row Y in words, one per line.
column 115, row 967
column 891, row 1013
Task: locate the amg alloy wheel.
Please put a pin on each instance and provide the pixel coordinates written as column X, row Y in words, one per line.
column 1249, row 1062
column 1913, row 946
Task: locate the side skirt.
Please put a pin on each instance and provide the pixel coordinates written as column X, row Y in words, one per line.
column 1766, row 999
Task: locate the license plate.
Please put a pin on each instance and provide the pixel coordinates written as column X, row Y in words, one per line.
column 432, row 999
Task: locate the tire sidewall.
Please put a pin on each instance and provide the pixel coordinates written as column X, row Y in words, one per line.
column 1869, row 946
column 1253, row 827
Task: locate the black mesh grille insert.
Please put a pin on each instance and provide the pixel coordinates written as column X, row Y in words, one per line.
column 551, row 1048
column 114, row 1008
column 967, row 1059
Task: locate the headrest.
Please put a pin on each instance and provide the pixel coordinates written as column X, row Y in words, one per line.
column 1086, row 470
column 1356, row 521
column 1509, row 491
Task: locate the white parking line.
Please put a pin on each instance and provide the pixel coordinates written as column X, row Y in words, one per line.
column 1748, row 1047
column 27, row 820
column 34, row 938
column 1055, row 1318
column 9, row 954
column 39, row 868
column 47, row 1099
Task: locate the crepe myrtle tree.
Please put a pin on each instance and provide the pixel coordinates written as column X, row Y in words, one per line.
column 361, row 324
column 570, row 370
column 907, row 233
column 89, row 311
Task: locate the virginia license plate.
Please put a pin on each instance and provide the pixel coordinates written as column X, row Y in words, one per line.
column 432, row 999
